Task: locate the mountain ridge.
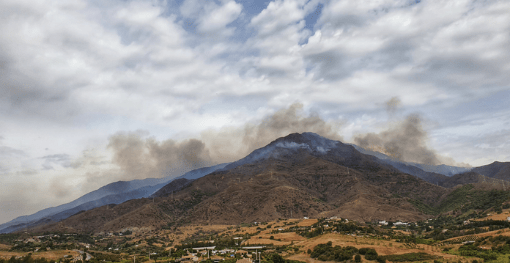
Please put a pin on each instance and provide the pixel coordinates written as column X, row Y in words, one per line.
column 297, row 175
column 112, row 193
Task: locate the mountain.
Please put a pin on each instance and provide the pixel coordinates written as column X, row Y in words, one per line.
column 294, row 176
column 113, row 193
column 498, row 170
column 172, row 187
column 423, row 169
column 474, row 178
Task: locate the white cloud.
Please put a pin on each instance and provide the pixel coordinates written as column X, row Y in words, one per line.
column 220, row 17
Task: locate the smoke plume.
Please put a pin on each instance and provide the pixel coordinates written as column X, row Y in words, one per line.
column 230, row 144
column 392, row 105
column 140, row 157
column 405, row 141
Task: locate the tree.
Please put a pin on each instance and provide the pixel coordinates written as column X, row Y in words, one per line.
column 276, row 258
column 357, row 258
column 371, row 254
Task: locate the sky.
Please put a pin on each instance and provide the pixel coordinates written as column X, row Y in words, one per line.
column 94, row 92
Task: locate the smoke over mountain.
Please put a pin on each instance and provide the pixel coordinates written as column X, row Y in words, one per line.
column 232, row 143
column 140, row 157
column 405, row 140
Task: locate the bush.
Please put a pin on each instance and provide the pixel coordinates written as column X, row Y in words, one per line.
column 276, row 258
column 357, row 258
column 408, row 257
column 371, row 254
column 325, row 252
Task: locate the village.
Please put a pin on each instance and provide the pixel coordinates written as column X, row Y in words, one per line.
column 289, row 240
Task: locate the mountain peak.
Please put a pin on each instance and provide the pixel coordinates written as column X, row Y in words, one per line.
column 306, row 140
column 312, row 143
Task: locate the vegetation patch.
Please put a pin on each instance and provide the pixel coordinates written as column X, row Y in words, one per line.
column 410, row 257
column 326, row 252
column 464, row 199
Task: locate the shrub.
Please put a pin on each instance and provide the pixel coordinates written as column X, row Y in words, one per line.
column 371, row 254
column 325, row 252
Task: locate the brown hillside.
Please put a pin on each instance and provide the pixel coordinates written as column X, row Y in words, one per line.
column 290, row 183
column 498, row 170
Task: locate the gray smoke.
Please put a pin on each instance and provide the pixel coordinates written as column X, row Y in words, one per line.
column 140, row 157
column 230, row 144
column 392, row 105
column 405, row 141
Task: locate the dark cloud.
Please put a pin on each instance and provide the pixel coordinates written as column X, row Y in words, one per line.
column 459, row 72
column 331, row 65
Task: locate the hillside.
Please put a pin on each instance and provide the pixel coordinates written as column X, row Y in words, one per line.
column 294, row 176
column 498, row 170
column 113, row 193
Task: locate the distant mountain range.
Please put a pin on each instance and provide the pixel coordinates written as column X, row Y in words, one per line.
column 297, row 175
column 113, row 193
column 300, row 175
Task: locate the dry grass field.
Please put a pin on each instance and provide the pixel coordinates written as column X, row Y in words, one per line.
column 381, row 246
column 4, row 247
column 307, row 222
column 53, row 255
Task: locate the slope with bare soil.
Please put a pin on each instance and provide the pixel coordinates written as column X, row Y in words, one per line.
column 301, row 175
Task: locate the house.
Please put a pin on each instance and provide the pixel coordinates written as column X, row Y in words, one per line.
column 227, row 251
column 383, row 223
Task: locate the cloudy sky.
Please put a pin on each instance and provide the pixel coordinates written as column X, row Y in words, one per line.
column 94, row 91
